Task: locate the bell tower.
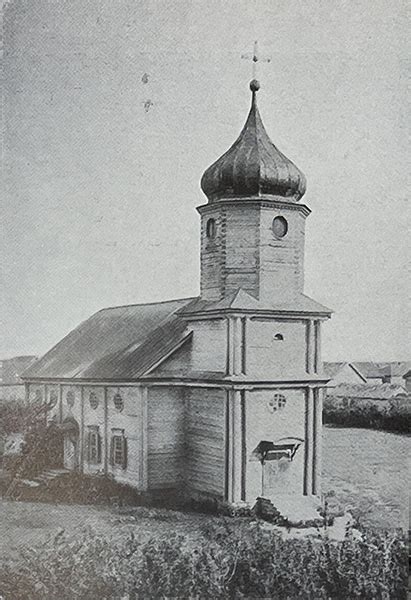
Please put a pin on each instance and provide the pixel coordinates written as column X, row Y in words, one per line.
column 253, row 327
column 252, row 228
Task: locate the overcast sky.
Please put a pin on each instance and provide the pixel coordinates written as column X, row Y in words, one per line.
column 102, row 164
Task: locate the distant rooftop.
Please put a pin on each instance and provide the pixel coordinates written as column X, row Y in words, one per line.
column 382, row 391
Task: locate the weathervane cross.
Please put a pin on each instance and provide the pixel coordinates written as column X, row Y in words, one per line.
column 255, row 57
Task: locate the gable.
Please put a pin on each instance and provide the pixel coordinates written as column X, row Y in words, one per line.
column 343, row 372
column 176, row 364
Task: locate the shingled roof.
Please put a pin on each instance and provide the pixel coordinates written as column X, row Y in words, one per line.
column 331, row 369
column 115, row 343
column 242, row 300
column 382, row 391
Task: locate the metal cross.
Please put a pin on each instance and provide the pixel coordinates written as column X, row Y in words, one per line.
column 255, row 57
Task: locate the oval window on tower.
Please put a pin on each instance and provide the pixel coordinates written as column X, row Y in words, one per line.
column 211, row 228
column 280, row 227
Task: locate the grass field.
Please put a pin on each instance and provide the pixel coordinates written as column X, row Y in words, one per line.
column 369, row 470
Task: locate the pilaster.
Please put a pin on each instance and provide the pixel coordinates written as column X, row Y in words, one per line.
column 235, row 446
column 317, row 441
column 310, row 341
column 236, row 346
column 81, row 465
column 144, row 439
column 106, row 440
column 309, row 438
column 317, row 353
column 60, row 403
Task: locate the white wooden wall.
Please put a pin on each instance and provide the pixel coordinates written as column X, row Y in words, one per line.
column 205, row 441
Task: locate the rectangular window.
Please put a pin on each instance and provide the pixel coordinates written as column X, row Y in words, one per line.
column 94, row 446
column 118, row 452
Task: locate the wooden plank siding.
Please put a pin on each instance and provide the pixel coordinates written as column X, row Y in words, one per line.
column 205, row 441
column 165, row 452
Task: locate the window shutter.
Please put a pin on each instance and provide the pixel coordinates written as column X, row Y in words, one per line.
column 124, row 465
column 98, row 448
column 112, row 451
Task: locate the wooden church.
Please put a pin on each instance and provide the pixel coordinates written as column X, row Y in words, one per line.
column 216, row 396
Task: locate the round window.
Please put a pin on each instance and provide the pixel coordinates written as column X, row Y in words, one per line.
column 280, row 227
column 52, row 399
column 93, row 400
column 211, row 228
column 277, row 402
column 70, row 398
column 118, row 402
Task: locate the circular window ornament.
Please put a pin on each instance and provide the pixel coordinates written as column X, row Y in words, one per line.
column 211, row 228
column 280, row 227
column 277, row 402
column 118, row 402
column 70, row 398
column 52, row 399
column 93, row 400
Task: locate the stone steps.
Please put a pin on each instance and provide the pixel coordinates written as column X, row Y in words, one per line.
column 296, row 511
column 50, row 474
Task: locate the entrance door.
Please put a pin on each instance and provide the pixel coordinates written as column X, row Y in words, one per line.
column 71, row 447
column 276, row 476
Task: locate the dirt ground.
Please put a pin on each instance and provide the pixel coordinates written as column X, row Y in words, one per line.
column 24, row 524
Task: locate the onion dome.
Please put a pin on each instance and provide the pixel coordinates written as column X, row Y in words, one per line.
column 253, row 166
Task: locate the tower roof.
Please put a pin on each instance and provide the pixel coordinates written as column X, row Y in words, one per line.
column 253, row 166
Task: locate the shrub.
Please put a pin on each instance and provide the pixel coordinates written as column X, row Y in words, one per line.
column 395, row 417
column 75, row 488
column 16, row 416
column 231, row 561
column 42, row 448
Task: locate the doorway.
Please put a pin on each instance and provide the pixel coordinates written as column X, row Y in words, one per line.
column 71, row 444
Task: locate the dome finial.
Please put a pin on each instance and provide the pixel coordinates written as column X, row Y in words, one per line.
column 254, row 85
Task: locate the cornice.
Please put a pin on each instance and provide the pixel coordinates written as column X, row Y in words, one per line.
column 255, row 314
column 256, row 202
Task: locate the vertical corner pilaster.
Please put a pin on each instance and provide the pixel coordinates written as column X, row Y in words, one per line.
column 144, row 439
column 81, row 429
column 235, row 446
column 310, row 347
column 308, row 446
column 236, row 346
column 106, row 440
column 60, row 403
column 244, row 326
column 317, row 351
column 317, row 441
column 27, row 393
column 45, row 404
column 229, row 347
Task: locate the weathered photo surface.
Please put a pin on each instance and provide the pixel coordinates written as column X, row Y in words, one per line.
column 205, row 369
